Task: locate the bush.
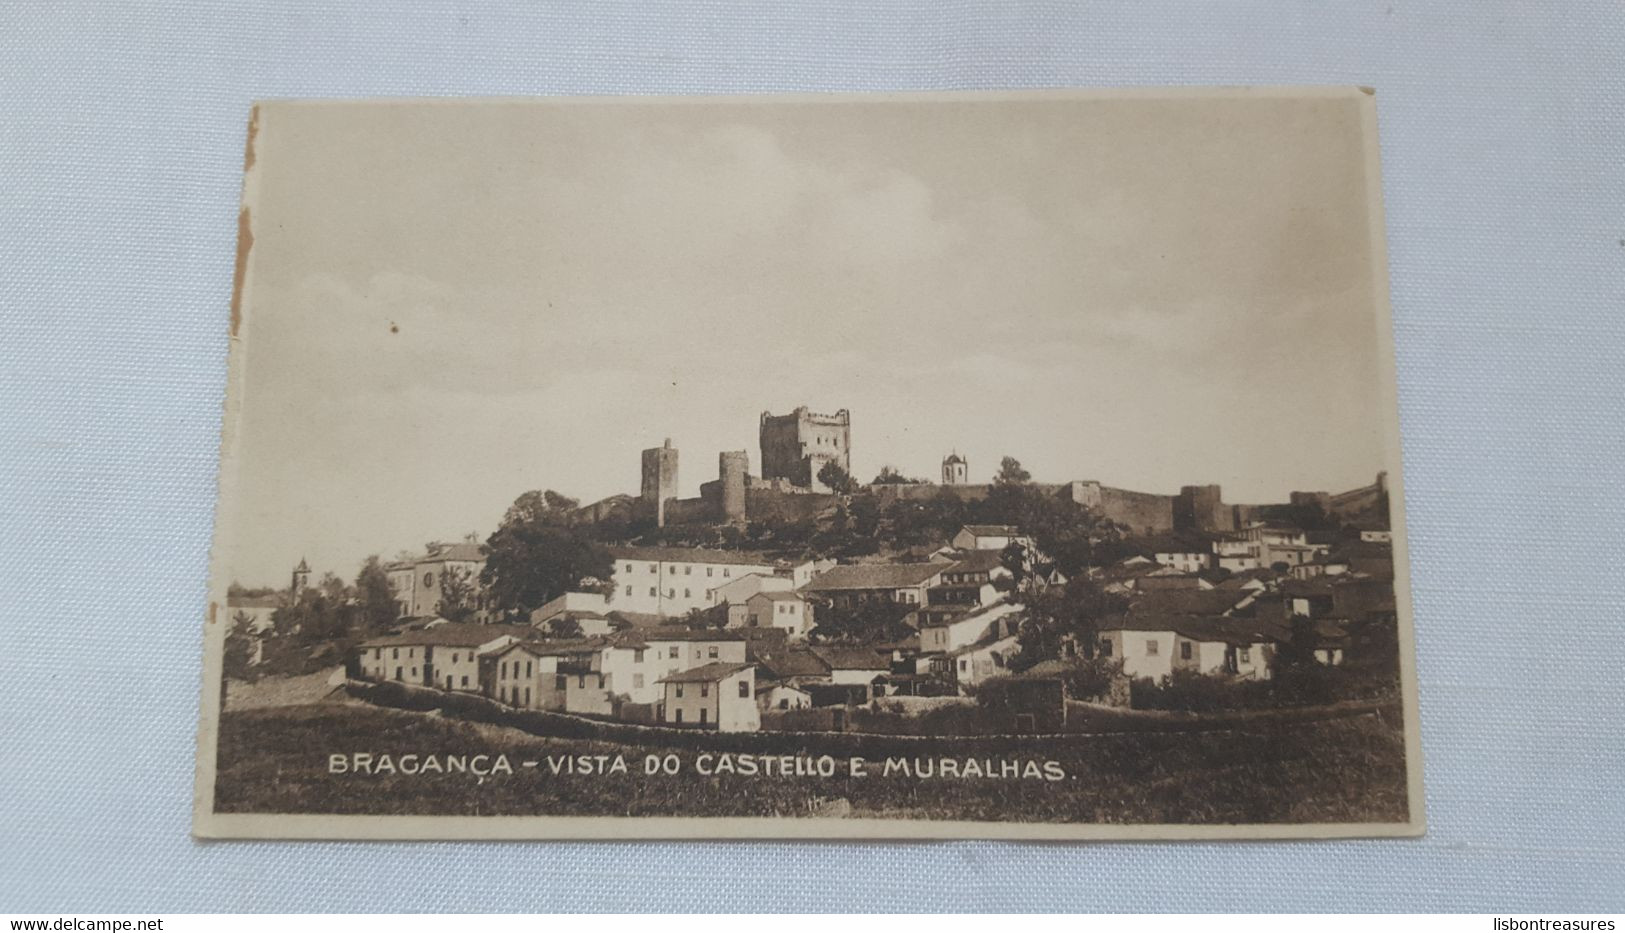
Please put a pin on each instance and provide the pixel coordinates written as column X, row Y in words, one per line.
column 1298, row 685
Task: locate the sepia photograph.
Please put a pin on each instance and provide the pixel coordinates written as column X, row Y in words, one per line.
column 972, row 465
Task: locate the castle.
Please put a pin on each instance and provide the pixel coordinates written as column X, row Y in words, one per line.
column 796, row 447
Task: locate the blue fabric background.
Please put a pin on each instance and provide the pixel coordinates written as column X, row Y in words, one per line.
column 121, row 136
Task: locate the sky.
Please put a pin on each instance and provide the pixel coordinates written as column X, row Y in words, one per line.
column 449, row 304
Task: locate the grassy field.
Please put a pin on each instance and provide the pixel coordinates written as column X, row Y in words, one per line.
column 1342, row 770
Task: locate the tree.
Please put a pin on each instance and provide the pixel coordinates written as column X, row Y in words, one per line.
column 837, row 479
column 1071, row 611
column 891, row 476
column 535, row 556
column 239, row 647
column 375, row 596
column 1011, row 473
column 564, row 627
column 863, row 624
column 459, row 595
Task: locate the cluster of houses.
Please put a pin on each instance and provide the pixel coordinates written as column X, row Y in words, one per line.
column 716, row 639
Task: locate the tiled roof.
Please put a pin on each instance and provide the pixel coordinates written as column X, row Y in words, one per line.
column 638, row 637
column 796, row 662
column 452, row 635
column 873, row 576
column 1189, row 602
column 1175, row 581
column 1196, row 628
column 459, row 551
column 639, row 620
column 780, row 596
column 705, row 673
column 691, row 555
column 990, row 531
column 852, row 659
column 983, row 561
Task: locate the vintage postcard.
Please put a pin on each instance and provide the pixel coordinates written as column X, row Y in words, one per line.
column 896, row 466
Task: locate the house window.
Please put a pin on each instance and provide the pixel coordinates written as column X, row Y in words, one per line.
column 395, row 654
column 687, row 594
column 653, row 591
column 561, row 682
column 428, row 580
column 1244, row 654
column 679, row 691
column 672, row 653
column 964, row 665
column 527, row 668
column 581, row 681
column 671, row 593
column 705, row 690
column 679, row 716
column 702, row 716
column 653, row 568
column 397, row 673
column 711, row 652
column 710, row 571
column 784, row 704
column 725, row 572
column 377, row 654
column 504, row 673
column 629, row 591
column 637, row 656
column 414, row 672
column 465, row 680
column 744, row 689
column 1151, row 647
column 637, row 681
column 527, row 696
column 1105, row 648
column 688, row 571
column 628, row 568
column 454, row 657
column 1185, row 650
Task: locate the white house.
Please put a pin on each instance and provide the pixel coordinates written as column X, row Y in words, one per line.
column 958, row 632
column 672, row 581
column 445, row 656
column 419, row 583
column 781, row 696
column 1179, row 554
column 737, row 591
column 975, row 663
column 989, row 538
column 570, row 602
column 1156, row 645
column 778, row 609
column 719, row 695
column 634, row 662
column 849, row 585
column 853, row 665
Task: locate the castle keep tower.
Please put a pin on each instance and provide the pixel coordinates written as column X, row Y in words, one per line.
column 954, row 470
column 659, row 480
column 732, row 467
column 796, row 446
column 301, row 577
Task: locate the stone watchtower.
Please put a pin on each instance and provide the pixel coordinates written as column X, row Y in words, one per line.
column 732, row 468
column 796, row 446
column 301, row 577
column 955, row 471
column 659, row 480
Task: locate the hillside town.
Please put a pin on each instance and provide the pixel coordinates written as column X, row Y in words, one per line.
column 789, row 599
